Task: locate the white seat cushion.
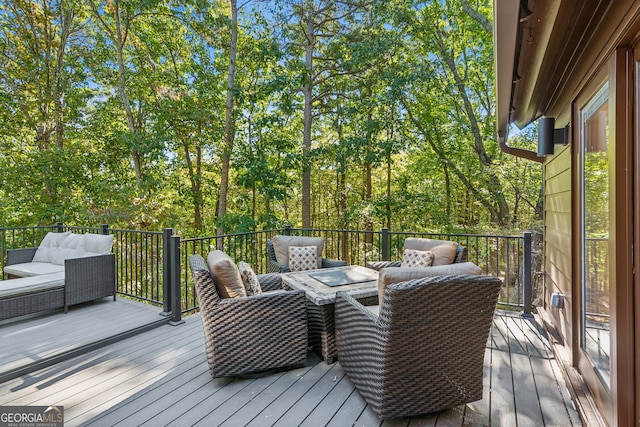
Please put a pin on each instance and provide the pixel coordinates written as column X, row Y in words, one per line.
column 26, row 285
column 29, row 269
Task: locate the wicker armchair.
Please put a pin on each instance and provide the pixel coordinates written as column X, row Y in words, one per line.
column 462, row 255
column 276, row 267
column 424, row 351
column 251, row 334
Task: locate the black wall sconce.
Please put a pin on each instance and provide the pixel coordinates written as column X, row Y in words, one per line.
column 548, row 135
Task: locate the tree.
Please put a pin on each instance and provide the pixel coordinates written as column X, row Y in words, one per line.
column 229, row 125
column 317, row 26
column 39, row 54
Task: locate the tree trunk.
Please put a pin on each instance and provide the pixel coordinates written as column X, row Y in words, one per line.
column 229, row 125
column 368, row 221
column 500, row 211
column 195, row 178
column 66, row 18
column 447, row 190
column 388, row 198
column 122, row 90
column 308, row 121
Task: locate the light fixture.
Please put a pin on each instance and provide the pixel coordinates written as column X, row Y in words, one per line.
column 548, row 135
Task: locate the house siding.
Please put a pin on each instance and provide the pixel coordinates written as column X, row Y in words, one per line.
column 558, row 238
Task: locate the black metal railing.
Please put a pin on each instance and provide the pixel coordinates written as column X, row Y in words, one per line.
column 153, row 266
column 506, row 257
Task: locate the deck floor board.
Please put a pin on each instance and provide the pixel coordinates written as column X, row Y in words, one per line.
column 36, row 338
column 161, row 378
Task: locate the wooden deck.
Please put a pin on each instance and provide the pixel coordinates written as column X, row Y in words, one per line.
column 36, row 341
column 160, row 377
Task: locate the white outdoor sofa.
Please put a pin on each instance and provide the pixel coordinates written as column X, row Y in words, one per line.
column 66, row 269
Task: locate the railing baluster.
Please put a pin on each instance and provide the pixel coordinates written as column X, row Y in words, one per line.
column 176, row 294
column 527, row 298
column 166, row 270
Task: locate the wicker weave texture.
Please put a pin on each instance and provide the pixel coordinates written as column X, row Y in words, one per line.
column 19, row 256
column 425, row 351
column 19, row 305
column 254, row 333
column 322, row 331
column 89, row 278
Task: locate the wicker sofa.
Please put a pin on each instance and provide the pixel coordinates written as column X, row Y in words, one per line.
column 424, row 351
column 249, row 334
column 55, row 275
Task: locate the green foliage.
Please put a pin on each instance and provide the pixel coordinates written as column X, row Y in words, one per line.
column 403, row 131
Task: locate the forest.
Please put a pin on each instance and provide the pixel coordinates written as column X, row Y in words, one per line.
column 213, row 116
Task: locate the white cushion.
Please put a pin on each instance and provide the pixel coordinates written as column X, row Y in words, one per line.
column 25, row 285
column 71, row 247
column 98, row 244
column 29, row 269
column 49, row 245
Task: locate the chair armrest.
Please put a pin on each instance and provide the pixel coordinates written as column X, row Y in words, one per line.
column 378, row 265
column 358, row 336
column 275, row 267
column 270, row 281
column 353, row 308
column 89, row 278
column 328, row 263
column 20, row 256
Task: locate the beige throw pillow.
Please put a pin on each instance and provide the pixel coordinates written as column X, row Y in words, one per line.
column 225, row 275
column 303, row 258
column 415, row 258
column 281, row 247
column 390, row 275
column 444, row 251
column 249, row 279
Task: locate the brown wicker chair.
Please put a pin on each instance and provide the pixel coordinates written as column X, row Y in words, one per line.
column 462, row 255
column 276, row 267
column 424, row 351
column 254, row 333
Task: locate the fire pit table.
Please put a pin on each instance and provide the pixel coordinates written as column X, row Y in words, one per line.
column 320, row 287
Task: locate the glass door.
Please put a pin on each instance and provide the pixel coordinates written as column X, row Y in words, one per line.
column 596, row 190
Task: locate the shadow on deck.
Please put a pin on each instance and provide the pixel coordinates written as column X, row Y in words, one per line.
column 39, row 340
column 160, row 377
